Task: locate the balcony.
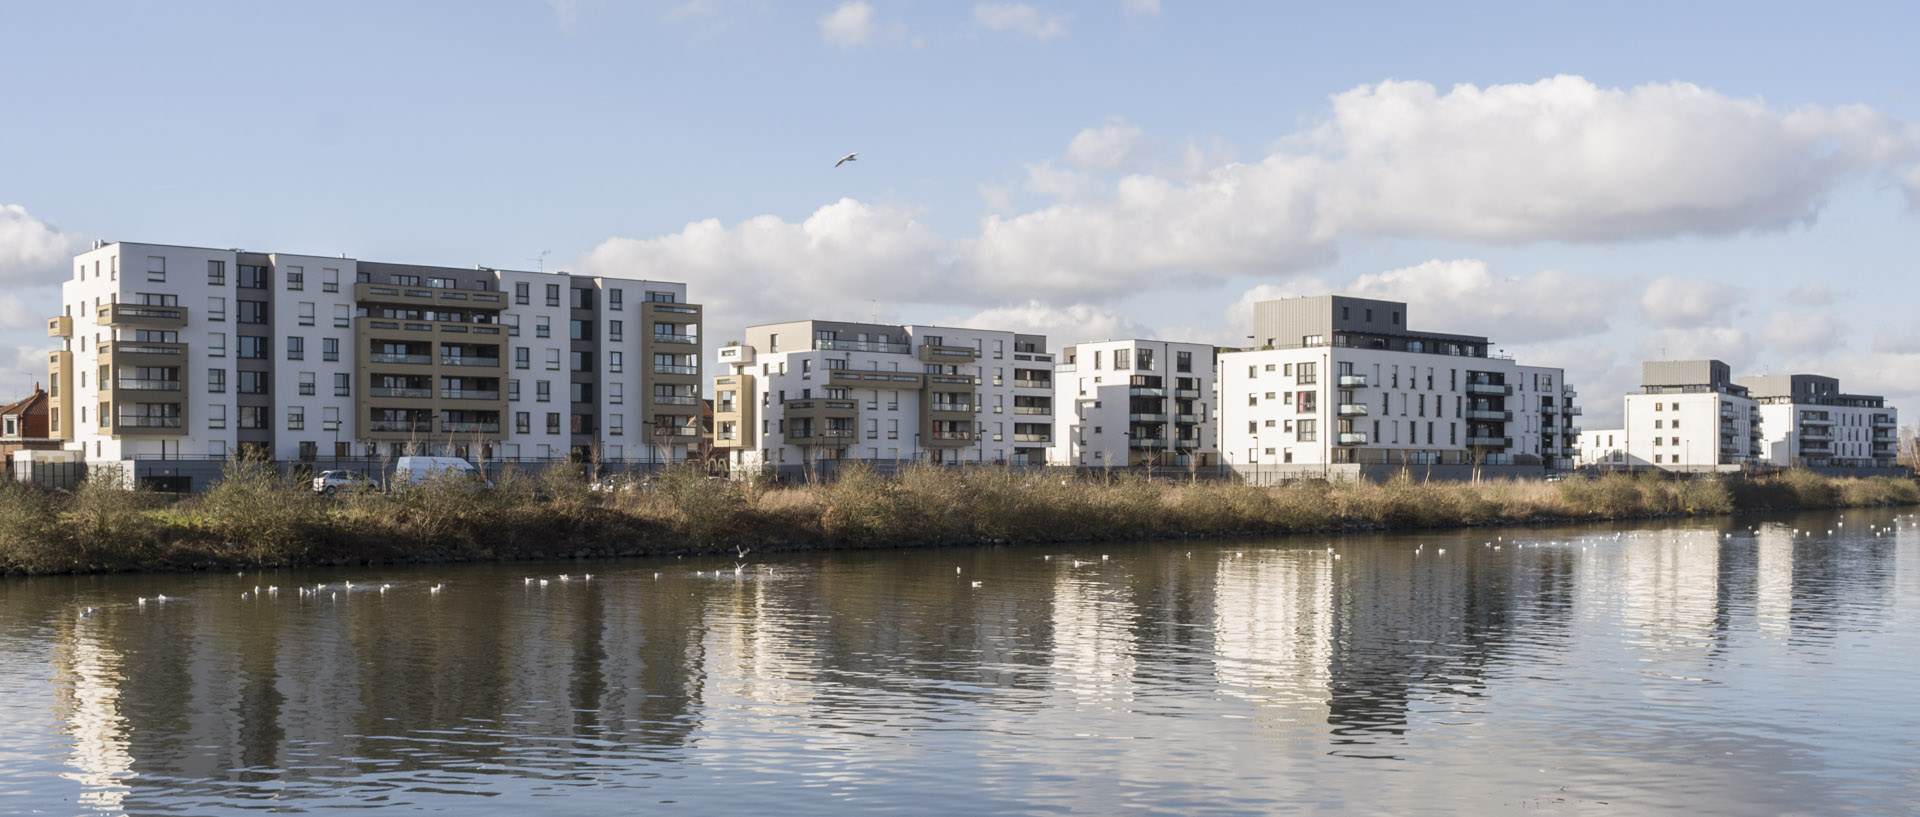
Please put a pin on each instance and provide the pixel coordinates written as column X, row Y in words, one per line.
column 1186, row 394
column 930, row 353
column 392, row 294
column 1571, row 431
column 665, row 308
column 138, row 424
column 1352, row 438
column 1351, row 410
column 1489, row 442
column 671, row 368
column 735, row 354
column 135, row 353
column 1147, row 418
column 1352, row 381
column 466, row 360
column 806, row 434
column 1188, row 419
column 143, row 317
column 1065, row 368
column 1032, row 384
column 1494, row 389
column 452, row 427
column 950, row 408
column 1813, row 420
column 861, row 346
column 661, row 432
column 1727, row 412
column 1884, row 421
column 469, row 394
column 1811, row 433
column 60, row 327
column 1147, row 442
column 1033, row 438
column 412, row 360
column 421, row 393
column 1145, row 391
column 1033, row 409
column 685, row 400
column 1490, row 414
column 669, row 337
column 961, row 436
column 137, row 384
column 1571, row 411
column 400, row 426
column 1549, row 408
column 938, row 379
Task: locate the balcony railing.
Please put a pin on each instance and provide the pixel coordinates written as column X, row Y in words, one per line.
column 1489, row 414
column 138, row 384
column 385, row 357
column 807, row 434
column 659, row 306
column 1033, row 438
column 669, row 337
column 1147, row 418
column 952, row 408
column 147, row 421
column 1352, row 381
column 1549, row 408
column 396, row 391
column 1032, row 384
column 1186, row 394
column 860, row 346
column 462, row 360
column 683, row 400
column 1571, row 431
column 1352, row 409
column 145, row 348
column 1352, row 438
column 675, row 431
column 1489, row 388
column 1489, row 442
column 953, row 435
column 1571, row 411
column 1145, row 391
column 469, row 394
column 400, row 426
column 670, row 368
column 1033, row 409
column 456, row 427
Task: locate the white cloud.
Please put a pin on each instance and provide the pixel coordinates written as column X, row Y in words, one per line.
column 1562, row 159
column 1811, row 295
column 33, row 252
column 1045, row 179
column 1735, row 347
column 1112, row 146
column 1141, row 8
column 1802, row 333
column 1465, row 296
column 21, row 366
column 1239, row 314
column 1687, row 302
column 850, row 24
column 1601, row 377
column 1020, row 18
column 1063, row 326
column 1897, row 343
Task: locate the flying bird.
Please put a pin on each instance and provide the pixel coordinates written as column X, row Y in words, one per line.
column 845, row 159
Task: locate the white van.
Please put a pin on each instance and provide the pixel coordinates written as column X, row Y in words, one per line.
column 410, row 470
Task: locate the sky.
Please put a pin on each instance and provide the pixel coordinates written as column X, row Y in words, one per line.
column 1590, row 185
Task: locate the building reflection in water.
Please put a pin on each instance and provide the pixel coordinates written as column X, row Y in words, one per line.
column 87, row 686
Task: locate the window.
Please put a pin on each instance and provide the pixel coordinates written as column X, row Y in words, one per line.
column 216, row 344
column 1306, row 373
column 216, row 309
column 659, row 297
column 522, row 420
column 513, row 390
column 296, row 347
column 330, row 349
column 341, row 320
column 329, row 280
column 216, row 273
column 553, row 359
column 253, row 382
column 296, row 418
column 296, row 278
column 1183, row 361
column 541, row 327
column 513, row 325
column 553, row 422
column 1122, row 359
column 252, row 348
column 216, row 381
column 553, row 295
column 217, row 416
column 542, row 391
column 613, row 300
column 582, row 361
column 520, row 294
column 580, row 330
column 253, row 277
column 616, row 361
column 253, row 417
column 253, row 312
column 306, row 313
column 1307, row 430
column 306, row 383
column 156, row 268
column 614, row 330
column 616, row 424
column 342, row 384
column 1658, row 424
column 616, row 392
column 522, row 357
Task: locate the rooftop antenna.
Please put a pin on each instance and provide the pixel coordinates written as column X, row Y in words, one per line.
column 542, row 260
column 875, row 303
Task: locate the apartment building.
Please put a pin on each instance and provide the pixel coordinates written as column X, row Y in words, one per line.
column 1809, row 422
column 1340, row 386
column 1135, row 403
column 194, row 353
column 798, row 395
column 1690, row 416
column 1602, row 447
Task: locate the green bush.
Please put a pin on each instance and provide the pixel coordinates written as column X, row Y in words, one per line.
column 264, row 517
column 29, row 538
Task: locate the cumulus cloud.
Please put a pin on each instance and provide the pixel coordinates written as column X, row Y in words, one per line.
column 21, row 366
column 1894, row 343
column 1112, row 146
column 1141, row 8
column 850, row 24
column 1465, row 296
column 1063, row 326
column 1811, row 295
column 1686, row 302
column 32, row 251
column 1020, row 18
column 1803, row 333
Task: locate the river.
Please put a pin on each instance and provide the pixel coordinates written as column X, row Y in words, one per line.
column 1727, row 666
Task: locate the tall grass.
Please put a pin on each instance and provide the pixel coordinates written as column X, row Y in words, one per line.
column 255, row 516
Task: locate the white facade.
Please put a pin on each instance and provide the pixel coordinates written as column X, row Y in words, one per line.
column 1602, row 446
column 797, row 394
column 1689, row 431
column 1359, row 389
column 1135, row 402
column 1808, row 421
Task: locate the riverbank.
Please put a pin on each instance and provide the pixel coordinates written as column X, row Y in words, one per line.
column 255, row 518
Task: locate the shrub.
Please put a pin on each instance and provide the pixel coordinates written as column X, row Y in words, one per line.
column 265, row 517
column 29, row 539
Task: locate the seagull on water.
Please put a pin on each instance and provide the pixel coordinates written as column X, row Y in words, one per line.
column 845, row 159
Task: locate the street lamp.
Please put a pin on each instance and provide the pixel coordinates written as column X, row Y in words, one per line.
column 1256, row 460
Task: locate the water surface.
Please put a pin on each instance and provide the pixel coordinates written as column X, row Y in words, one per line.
column 1723, row 667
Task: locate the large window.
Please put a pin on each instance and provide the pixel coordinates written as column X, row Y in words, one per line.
column 252, row 348
column 253, row 382
column 253, row 312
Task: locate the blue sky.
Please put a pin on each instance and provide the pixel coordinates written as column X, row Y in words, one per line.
column 1589, row 185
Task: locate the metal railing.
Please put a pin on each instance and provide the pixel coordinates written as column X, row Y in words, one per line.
column 669, row 368
column 140, row 384
column 386, row 357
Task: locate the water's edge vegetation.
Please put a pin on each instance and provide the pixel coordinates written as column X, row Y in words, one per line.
column 255, row 517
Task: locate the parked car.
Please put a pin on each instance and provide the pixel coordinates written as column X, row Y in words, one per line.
column 332, row 482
